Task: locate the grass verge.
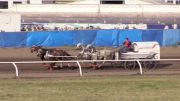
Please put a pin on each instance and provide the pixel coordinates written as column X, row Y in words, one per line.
column 106, row 88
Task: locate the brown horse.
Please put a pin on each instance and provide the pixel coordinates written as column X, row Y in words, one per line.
column 49, row 54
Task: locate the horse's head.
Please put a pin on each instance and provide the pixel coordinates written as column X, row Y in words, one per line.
column 79, row 46
column 41, row 53
column 35, row 48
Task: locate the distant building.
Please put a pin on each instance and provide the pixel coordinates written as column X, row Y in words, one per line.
column 95, row 11
column 10, row 22
column 112, row 1
column 5, row 4
column 177, row 2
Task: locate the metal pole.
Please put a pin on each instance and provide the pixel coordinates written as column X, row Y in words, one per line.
column 140, row 67
column 80, row 70
column 16, row 68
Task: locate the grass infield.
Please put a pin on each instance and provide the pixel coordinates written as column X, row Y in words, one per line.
column 101, row 88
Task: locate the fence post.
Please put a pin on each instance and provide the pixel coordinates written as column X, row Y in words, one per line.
column 140, row 67
column 16, row 68
column 80, row 70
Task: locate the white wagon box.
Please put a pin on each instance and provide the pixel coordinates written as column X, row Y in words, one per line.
column 143, row 50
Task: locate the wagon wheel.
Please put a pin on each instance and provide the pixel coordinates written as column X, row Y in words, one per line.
column 150, row 64
column 117, row 64
column 130, row 65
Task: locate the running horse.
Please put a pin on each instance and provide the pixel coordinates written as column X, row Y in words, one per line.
column 49, row 54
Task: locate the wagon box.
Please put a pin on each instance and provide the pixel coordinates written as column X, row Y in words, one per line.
column 142, row 50
column 147, row 47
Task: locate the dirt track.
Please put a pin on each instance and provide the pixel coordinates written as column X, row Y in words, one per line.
column 38, row 70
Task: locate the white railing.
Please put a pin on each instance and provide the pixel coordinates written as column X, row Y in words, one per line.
column 96, row 8
column 82, row 61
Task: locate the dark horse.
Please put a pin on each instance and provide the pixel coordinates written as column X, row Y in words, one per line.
column 50, row 54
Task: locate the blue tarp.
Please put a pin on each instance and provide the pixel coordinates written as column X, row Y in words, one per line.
column 171, row 37
column 96, row 37
column 62, row 38
column 106, row 38
column 153, row 35
column 13, row 39
column 179, row 36
column 133, row 35
column 112, row 38
column 84, row 36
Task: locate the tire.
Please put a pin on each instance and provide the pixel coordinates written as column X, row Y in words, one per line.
column 130, row 65
column 149, row 64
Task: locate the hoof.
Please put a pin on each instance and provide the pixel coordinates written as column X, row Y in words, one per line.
column 45, row 65
column 50, row 69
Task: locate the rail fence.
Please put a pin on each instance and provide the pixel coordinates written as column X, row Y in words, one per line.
column 83, row 61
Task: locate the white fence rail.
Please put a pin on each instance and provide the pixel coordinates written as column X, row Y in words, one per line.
column 82, row 61
column 96, row 8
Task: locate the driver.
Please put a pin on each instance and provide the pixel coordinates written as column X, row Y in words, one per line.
column 127, row 43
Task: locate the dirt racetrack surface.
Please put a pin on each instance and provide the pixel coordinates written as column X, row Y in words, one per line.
column 39, row 70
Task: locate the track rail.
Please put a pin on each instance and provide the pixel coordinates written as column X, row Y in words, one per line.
column 82, row 61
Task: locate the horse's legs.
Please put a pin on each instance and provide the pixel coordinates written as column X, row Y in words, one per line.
column 94, row 65
column 98, row 65
column 46, row 65
column 60, row 65
column 51, row 66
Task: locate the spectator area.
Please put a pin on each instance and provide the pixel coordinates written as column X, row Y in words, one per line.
column 88, row 26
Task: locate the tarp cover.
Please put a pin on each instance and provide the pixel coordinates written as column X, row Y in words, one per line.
column 111, row 38
column 13, row 39
column 96, row 37
column 153, row 35
column 171, row 37
column 48, row 39
column 133, row 35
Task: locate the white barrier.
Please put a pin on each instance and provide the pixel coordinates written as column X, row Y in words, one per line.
column 95, row 8
column 79, row 65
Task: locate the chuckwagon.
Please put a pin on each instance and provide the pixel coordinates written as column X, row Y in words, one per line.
column 138, row 51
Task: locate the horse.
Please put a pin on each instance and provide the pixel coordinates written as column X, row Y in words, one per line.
column 90, row 53
column 49, row 54
column 86, row 52
column 40, row 51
